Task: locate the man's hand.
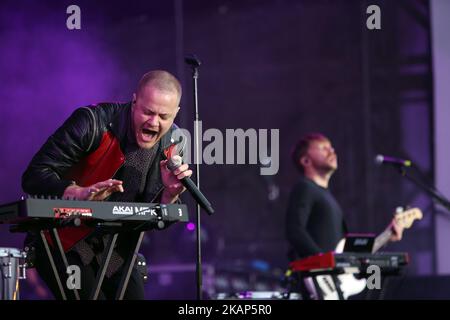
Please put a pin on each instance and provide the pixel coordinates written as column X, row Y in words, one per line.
column 171, row 181
column 397, row 231
column 98, row 191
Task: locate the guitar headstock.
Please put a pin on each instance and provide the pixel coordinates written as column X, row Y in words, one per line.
column 406, row 218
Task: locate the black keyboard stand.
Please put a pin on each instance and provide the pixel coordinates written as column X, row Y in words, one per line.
column 337, row 285
column 104, row 265
column 130, row 261
column 58, row 259
column 62, row 258
column 129, row 264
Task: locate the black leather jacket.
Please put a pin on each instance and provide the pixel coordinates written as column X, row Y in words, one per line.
column 80, row 135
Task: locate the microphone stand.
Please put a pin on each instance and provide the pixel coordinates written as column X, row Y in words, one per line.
column 431, row 191
column 195, row 63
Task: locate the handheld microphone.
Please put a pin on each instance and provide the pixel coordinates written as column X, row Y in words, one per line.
column 175, row 162
column 381, row 159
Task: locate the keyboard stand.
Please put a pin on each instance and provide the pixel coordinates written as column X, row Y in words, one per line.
column 337, row 285
column 129, row 264
column 62, row 257
column 104, row 265
column 136, row 242
column 127, row 268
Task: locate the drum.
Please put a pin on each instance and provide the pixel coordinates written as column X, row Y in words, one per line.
column 12, row 269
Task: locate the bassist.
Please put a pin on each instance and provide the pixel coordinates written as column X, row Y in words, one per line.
column 314, row 221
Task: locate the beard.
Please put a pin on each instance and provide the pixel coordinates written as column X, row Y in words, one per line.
column 326, row 166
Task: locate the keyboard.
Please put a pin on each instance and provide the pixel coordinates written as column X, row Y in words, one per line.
column 40, row 208
column 349, row 260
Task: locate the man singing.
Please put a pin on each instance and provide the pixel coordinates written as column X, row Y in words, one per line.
column 110, row 152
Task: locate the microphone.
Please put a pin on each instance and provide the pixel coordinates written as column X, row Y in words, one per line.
column 175, row 162
column 380, row 159
column 192, row 60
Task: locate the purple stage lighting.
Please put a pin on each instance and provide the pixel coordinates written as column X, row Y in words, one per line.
column 190, row 226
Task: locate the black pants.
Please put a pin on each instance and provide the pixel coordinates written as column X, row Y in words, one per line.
column 134, row 291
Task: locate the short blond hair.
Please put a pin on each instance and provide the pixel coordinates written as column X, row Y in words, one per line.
column 161, row 80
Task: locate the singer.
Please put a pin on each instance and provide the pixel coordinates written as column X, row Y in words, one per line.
column 109, row 152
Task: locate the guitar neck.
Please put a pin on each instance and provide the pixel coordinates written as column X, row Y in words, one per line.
column 382, row 240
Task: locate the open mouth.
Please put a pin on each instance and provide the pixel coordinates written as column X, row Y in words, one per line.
column 149, row 134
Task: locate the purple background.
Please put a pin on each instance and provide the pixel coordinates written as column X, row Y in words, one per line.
column 296, row 66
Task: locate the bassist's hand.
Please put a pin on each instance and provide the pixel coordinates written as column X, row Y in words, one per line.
column 397, row 231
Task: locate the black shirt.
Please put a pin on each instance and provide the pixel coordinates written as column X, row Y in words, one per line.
column 314, row 221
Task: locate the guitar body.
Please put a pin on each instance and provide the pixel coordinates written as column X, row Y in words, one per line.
column 348, row 284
